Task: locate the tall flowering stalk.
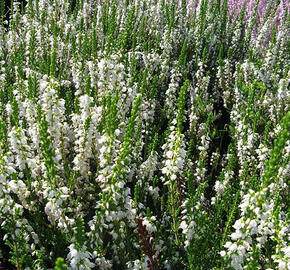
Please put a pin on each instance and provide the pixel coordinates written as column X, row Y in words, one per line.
column 147, row 244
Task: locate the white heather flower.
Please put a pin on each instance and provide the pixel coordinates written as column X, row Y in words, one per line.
column 261, row 240
column 121, row 184
column 151, row 228
column 233, row 247
column 227, row 244
column 169, row 154
column 236, row 235
column 223, row 253
column 236, row 262
column 43, row 84
column 238, row 224
column 241, row 250
column 286, row 251
column 9, row 109
column 252, row 224
column 79, row 258
column 219, row 187
column 154, row 192
column 282, row 265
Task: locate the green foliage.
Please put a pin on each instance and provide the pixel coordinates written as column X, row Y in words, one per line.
column 60, row 264
column 277, row 153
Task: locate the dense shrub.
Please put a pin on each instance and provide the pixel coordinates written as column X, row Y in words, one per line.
column 144, row 134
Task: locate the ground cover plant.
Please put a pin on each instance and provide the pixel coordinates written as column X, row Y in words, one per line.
column 144, row 134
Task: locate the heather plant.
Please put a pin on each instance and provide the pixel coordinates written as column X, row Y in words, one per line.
column 144, row 134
